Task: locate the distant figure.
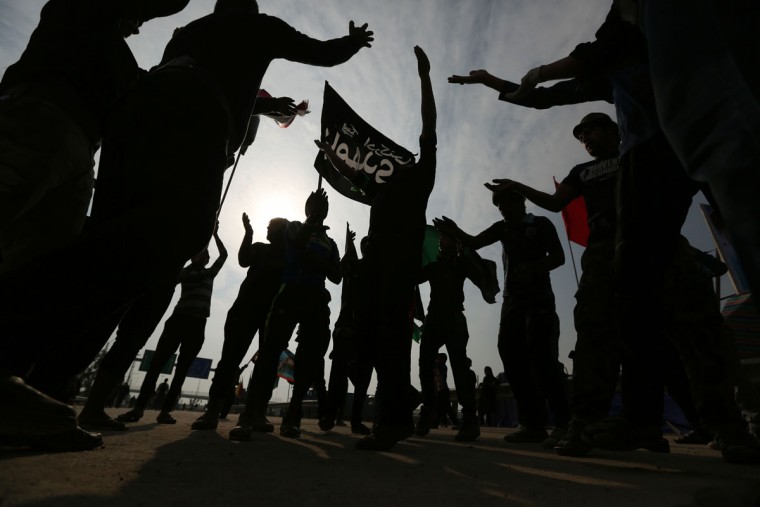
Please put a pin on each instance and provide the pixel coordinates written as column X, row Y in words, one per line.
column 487, row 402
column 160, row 397
column 184, row 330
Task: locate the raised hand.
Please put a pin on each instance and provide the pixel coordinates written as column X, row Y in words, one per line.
column 247, row 224
column 423, row 63
column 284, row 106
column 363, row 36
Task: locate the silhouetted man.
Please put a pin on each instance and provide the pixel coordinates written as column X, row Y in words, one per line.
column 389, row 271
column 529, row 326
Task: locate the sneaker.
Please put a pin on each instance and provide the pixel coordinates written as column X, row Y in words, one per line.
column 554, row 437
column 360, row 429
column 133, row 415
column 165, row 418
column 526, row 435
column 468, row 432
column 205, row 422
column 617, row 434
column 290, row 431
column 384, row 438
column 326, row 423
column 738, row 446
column 572, row 445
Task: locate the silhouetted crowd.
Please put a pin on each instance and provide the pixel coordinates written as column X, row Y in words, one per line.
column 80, row 262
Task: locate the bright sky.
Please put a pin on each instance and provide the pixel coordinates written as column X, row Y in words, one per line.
column 479, row 138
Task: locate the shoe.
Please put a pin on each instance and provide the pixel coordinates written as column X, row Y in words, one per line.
column 425, row 422
column 697, row 436
column 384, row 438
column 165, row 418
column 526, row 435
column 554, row 437
column 241, row 433
column 326, row 423
column 571, row 444
column 69, row 441
column 360, row 429
column 617, row 434
column 101, row 422
column 737, row 446
column 262, row 427
column 133, row 415
column 27, row 412
column 290, row 431
column 468, row 432
column 205, row 422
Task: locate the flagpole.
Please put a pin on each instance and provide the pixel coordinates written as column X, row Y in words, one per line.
column 572, row 257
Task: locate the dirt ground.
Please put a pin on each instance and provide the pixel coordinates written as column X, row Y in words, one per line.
column 164, row 465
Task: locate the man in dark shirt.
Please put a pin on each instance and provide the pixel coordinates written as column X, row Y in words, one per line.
column 186, row 329
column 247, row 316
column 529, row 327
column 445, row 324
column 303, row 301
column 53, row 102
column 389, row 271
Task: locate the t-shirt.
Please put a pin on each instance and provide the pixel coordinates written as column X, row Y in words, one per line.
column 197, row 288
column 397, row 217
column 446, row 278
column 528, row 240
column 266, row 266
column 298, row 268
column 595, row 181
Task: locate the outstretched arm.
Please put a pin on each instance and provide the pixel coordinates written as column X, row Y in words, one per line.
column 219, row 262
column 550, row 202
column 564, row 68
column 450, row 228
column 479, row 76
column 429, row 115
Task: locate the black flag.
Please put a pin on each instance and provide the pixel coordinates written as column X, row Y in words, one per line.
column 360, row 145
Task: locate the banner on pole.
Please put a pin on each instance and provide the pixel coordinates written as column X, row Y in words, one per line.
column 361, row 146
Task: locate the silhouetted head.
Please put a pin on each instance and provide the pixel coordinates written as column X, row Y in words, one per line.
column 226, row 5
column 488, row 371
column 363, row 244
column 510, row 204
column 276, row 228
column 317, row 206
column 442, row 357
column 599, row 135
column 447, row 247
column 200, row 259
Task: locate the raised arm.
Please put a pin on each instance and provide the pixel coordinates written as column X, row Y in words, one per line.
column 219, row 262
column 551, row 202
column 428, row 112
column 244, row 257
